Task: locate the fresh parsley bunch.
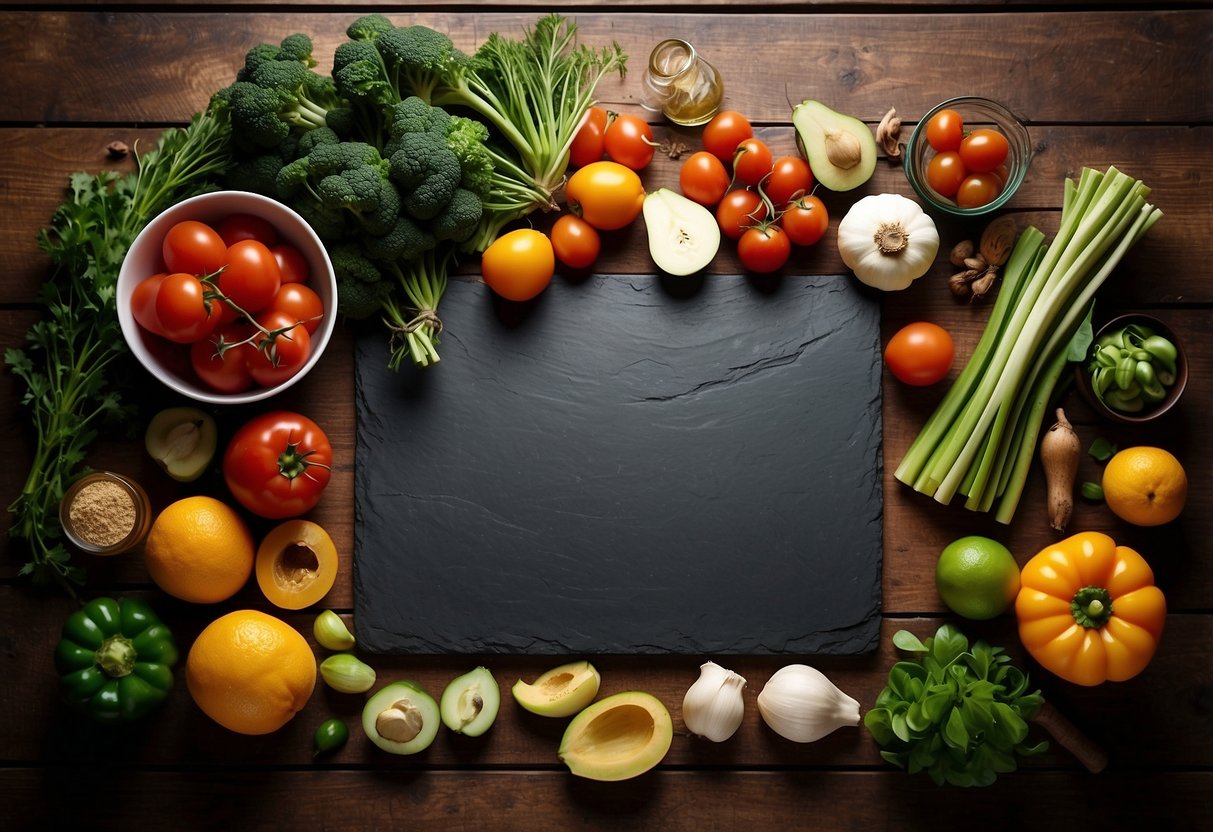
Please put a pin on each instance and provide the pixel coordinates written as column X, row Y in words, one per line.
column 959, row 714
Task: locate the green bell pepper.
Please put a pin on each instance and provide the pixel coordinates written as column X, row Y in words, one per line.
column 115, row 659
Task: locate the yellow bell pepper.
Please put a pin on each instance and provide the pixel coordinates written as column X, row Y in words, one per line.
column 1088, row 610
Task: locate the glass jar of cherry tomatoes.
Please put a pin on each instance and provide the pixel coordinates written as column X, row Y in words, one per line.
column 967, row 156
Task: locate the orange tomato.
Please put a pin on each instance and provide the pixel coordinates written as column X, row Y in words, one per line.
column 607, row 195
column 1088, row 610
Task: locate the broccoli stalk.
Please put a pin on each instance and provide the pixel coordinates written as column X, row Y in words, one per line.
column 415, row 329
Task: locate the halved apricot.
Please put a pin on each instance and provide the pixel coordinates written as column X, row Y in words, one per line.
column 296, row 564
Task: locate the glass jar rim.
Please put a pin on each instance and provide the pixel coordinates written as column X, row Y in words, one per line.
column 686, row 64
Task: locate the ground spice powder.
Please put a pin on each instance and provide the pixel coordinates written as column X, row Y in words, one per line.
column 103, row 513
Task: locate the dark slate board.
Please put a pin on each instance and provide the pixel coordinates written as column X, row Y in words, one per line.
column 626, row 466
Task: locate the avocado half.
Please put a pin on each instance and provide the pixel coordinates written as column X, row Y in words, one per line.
column 841, row 149
column 562, row 691
column 617, row 738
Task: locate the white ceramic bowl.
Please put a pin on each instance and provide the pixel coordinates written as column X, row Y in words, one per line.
column 144, row 259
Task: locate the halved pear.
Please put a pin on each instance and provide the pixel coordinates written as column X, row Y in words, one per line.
column 470, row 702
column 683, row 235
column 562, row 691
column 841, row 149
column 620, row 737
column 182, row 440
column 401, row 718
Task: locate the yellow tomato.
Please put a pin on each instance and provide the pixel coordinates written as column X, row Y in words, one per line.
column 519, row 265
column 607, row 195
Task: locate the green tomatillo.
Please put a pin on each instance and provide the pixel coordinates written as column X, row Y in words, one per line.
column 115, row 660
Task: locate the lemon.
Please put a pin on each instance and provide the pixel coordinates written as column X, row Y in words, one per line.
column 977, row 577
column 199, row 550
column 1145, row 486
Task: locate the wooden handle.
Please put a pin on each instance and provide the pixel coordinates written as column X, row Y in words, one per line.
column 1069, row 737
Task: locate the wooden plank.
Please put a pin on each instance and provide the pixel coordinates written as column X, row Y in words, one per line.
column 1170, row 690
column 42, row 158
column 860, row 65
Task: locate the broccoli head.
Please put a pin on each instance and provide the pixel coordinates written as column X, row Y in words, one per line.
column 404, row 241
column 253, row 111
column 427, row 172
column 361, row 289
column 369, row 27
column 459, row 219
column 466, row 138
column 257, row 174
column 296, row 47
column 314, row 138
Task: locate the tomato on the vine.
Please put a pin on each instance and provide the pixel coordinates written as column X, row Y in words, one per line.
column 920, row 353
column 575, row 242
column 984, row 149
column 724, row 132
column 239, row 227
column 228, row 373
column 251, row 278
column 519, row 265
column 945, row 131
column 945, row 172
column 281, row 354
column 703, row 178
column 738, row 211
column 629, row 141
column 300, row 303
column 752, row 161
column 607, row 195
column 278, row 464
column 193, row 247
column 292, row 265
column 183, row 309
column 978, row 189
column 790, row 177
column 805, row 221
column 589, row 142
column 143, row 303
column 764, row 248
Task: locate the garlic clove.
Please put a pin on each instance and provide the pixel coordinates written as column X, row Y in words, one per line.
column 800, row 704
column 713, row 707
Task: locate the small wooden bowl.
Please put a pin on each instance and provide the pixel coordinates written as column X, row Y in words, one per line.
column 1082, row 376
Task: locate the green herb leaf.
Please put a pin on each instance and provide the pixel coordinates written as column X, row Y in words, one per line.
column 1080, row 344
column 955, row 733
column 1102, row 450
column 1092, row 491
column 905, row 640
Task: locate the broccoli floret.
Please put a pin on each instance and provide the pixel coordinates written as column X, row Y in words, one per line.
column 417, row 59
column 255, row 57
column 334, row 158
column 459, row 219
column 466, row 139
column 328, row 223
column 369, row 27
column 412, row 115
column 296, row 47
column 341, row 120
column 361, row 289
column 254, row 114
column 404, row 241
column 257, row 174
column 427, row 172
column 312, row 139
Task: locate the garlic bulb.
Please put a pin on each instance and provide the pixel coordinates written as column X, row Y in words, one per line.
column 887, row 241
column 800, row 704
column 713, row 707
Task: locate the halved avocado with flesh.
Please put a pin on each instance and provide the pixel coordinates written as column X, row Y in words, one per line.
column 562, row 691
column 619, row 737
column 470, row 703
column 401, row 718
column 841, row 149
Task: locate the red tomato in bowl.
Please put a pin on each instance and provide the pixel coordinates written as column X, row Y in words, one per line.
column 273, row 363
column 278, row 464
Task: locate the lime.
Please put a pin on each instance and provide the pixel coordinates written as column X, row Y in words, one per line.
column 977, row 577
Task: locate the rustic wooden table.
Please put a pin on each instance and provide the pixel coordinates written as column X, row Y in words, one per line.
column 1125, row 84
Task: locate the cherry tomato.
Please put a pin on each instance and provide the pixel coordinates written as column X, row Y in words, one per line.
column 292, row 265
column 984, row 149
column 805, row 221
column 945, row 172
column 790, row 177
column 607, row 195
column 703, row 178
column 738, row 211
column 752, row 161
column 724, row 132
column 239, row 227
column 300, row 303
column 764, row 249
column 575, row 242
column 978, row 189
column 920, row 353
column 278, row 464
column 229, row 373
column 589, row 143
column 945, row 131
column 143, row 303
column 1002, row 174
column 519, row 265
column 629, row 141
column 184, row 311
column 279, row 356
column 193, row 248
column 251, row 278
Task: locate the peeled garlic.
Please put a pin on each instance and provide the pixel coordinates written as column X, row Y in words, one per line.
column 800, row 704
column 713, row 707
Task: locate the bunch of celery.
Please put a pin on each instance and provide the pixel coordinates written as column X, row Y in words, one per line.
column 981, row 439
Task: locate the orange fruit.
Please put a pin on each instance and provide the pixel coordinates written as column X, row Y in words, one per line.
column 250, row 672
column 977, row 577
column 199, row 550
column 296, row 564
column 1145, row 486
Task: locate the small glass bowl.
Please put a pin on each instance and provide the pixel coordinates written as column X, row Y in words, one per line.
column 976, row 112
column 78, row 537
column 1082, row 376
